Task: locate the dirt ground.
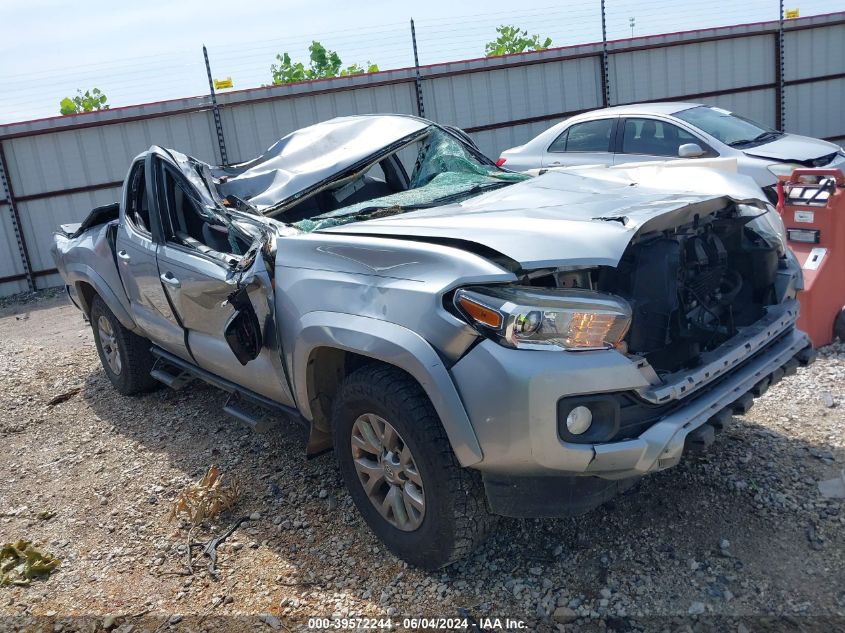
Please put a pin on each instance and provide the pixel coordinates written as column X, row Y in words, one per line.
column 739, row 539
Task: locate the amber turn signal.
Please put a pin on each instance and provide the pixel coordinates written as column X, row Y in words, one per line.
column 480, row 313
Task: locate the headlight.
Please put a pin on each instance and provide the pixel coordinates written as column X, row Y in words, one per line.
column 530, row 318
column 769, row 225
column 783, row 169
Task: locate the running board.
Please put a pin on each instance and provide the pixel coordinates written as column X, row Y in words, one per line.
column 175, row 380
column 257, row 422
column 171, row 369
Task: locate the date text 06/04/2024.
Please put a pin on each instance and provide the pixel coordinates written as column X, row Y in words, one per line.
column 447, row 624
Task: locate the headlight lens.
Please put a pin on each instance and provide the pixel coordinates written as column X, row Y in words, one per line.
column 529, row 318
column 783, row 169
column 769, row 225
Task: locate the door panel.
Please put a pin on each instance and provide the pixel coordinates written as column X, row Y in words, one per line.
column 199, row 288
column 199, row 279
column 136, row 258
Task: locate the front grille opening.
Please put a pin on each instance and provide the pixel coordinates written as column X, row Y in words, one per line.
column 693, row 288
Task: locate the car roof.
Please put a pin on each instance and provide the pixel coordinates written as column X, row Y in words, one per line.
column 663, row 107
column 310, row 155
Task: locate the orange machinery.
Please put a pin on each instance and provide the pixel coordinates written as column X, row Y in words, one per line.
column 812, row 205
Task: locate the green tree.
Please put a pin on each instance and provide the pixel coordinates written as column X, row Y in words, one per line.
column 323, row 64
column 90, row 100
column 513, row 40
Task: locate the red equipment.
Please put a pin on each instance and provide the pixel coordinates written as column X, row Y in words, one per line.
column 812, row 205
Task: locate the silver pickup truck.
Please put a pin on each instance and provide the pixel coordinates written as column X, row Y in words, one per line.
column 470, row 342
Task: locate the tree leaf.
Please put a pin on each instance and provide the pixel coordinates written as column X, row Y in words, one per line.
column 67, row 106
column 514, row 40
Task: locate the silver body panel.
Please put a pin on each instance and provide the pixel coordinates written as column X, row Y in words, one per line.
column 376, row 288
column 148, row 301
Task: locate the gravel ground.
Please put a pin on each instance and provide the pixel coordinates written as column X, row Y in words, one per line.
column 738, row 539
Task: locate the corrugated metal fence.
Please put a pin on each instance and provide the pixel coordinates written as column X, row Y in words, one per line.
column 59, row 168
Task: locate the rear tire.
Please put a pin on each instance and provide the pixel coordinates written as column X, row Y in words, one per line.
column 839, row 326
column 125, row 356
column 421, row 503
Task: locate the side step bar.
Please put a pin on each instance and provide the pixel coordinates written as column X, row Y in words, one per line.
column 176, row 373
column 235, row 406
column 175, row 381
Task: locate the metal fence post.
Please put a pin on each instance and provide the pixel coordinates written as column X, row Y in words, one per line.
column 9, row 196
column 221, row 142
column 605, row 81
column 779, row 71
column 417, row 79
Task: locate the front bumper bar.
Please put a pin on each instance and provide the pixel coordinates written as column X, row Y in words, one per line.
column 617, row 466
column 661, row 445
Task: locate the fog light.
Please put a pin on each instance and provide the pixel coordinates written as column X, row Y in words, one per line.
column 579, row 420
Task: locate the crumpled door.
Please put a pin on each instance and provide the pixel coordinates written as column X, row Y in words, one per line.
column 219, row 304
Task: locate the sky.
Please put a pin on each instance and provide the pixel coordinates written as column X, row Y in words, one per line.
column 150, row 51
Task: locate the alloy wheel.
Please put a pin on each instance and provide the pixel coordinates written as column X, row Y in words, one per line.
column 388, row 472
column 108, row 343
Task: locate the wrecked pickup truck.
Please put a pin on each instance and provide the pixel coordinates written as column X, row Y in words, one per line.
column 470, row 342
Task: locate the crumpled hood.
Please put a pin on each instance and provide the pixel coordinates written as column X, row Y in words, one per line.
column 554, row 219
column 793, row 148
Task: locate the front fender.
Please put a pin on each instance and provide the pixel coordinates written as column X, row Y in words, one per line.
column 79, row 273
column 395, row 345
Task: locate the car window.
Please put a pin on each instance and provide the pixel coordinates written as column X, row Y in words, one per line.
column 728, row 127
column 559, row 144
column 190, row 224
column 137, row 204
column 656, row 138
column 589, row 136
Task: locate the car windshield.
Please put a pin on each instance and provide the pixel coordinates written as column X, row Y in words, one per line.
column 442, row 170
column 727, row 127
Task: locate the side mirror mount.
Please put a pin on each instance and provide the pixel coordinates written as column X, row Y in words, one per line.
column 690, row 150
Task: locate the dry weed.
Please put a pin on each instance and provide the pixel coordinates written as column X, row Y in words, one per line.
column 207, row 498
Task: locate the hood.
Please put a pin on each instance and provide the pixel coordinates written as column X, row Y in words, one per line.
column 792, row 148
column 561, row 218
column 309, row 156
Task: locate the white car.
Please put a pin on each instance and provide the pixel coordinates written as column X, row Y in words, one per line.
column 657, row 131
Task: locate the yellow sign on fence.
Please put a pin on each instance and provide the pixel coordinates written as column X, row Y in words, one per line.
column 219, row 84
column 791, row 13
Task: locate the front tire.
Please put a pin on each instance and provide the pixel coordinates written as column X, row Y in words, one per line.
column 399, row 468
column 125, row 356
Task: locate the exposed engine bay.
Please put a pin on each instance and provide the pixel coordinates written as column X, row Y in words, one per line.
column 690, row 289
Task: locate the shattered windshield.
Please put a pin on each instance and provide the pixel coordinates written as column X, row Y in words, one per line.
column 440, row 171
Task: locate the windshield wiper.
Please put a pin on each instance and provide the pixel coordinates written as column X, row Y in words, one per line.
column 765, row 136
column 399, row 208
column 471, row 191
